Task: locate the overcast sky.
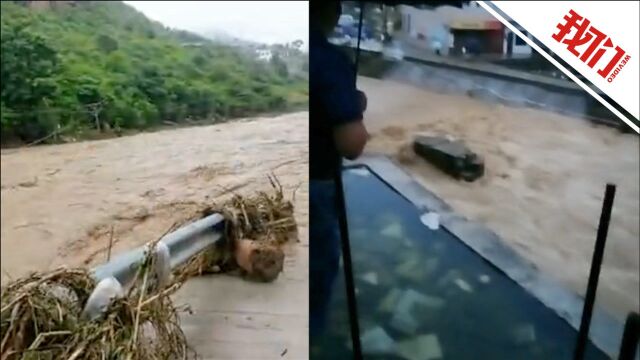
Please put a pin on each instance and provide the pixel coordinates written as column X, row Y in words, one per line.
column 261, row 21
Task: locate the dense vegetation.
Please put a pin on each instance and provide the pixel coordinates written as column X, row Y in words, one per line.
column 103, row 66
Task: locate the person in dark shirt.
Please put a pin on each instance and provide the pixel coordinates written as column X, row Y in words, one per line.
column 336, row 131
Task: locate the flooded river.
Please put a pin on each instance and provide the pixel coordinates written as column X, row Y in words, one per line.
column 544, row 181
column 62, row 204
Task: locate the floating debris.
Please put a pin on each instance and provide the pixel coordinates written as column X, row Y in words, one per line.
column 485, row 279
column 256, row 228
column 376, row 341
column 524, row 334
column 431, row 220
column 370, row 278
column 423, row 347
column 393, row 230
column 39, row 322
column 463, row 285
column 260, row 260
column 452, row 157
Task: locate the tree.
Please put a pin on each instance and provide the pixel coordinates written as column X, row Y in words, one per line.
column 107, row 44
column 279, row 65
column 26, row 81
column 27, row 67
column 88, row 90
column 56, row 63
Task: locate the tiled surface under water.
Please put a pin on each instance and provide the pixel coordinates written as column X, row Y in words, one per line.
column 422, row 294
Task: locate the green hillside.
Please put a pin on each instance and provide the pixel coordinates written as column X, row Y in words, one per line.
column 105, row 65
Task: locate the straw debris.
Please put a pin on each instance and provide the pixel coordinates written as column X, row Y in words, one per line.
column 42, row 318
column 256, row 228
column 42, row 314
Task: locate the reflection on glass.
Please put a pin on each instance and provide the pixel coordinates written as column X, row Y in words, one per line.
column 422, row 294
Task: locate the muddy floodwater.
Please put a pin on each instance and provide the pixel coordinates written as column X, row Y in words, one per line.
column 543, row 185
column 62, row 204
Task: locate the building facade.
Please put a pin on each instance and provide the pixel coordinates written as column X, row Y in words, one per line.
column 514, row 46
column 450, row 30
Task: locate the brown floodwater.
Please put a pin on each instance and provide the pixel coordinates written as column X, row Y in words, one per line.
column 64, row 204
column 543, row 184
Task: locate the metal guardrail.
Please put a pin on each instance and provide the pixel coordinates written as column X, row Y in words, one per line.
column 183, row 243
column 173, row 250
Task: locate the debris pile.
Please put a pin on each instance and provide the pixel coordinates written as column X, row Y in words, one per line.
column 42, row 318
column 45, row 316
column 256, row 228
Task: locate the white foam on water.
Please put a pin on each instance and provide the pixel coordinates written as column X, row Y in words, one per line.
column 463, row 285
column 431, row 220
column 360, row 172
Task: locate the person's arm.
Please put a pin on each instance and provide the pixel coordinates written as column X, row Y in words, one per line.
column 346, row 105
column 363, row 100
column 351, row 139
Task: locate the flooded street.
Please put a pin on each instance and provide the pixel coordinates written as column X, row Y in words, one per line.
column 543, row 184
column 62, row 204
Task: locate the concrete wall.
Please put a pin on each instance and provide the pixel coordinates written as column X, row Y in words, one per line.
column 485, row 87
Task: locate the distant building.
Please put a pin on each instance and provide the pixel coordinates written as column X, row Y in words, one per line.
column 452, row 30
column 514, row 46
column 264, row 54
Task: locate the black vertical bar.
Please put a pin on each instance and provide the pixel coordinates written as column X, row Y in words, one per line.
column 357, row 59
column 630, row 337
column 348, row 269
column 596, row 263
column 344, row 234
